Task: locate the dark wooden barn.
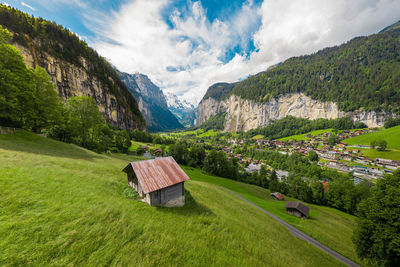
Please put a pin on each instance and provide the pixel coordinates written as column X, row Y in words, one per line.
column 297, row 209
column 159, row 182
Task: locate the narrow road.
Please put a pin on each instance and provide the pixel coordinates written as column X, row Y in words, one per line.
column 297, row 233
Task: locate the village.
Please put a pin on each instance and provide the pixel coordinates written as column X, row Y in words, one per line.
column 340, row 156
column 332, row 152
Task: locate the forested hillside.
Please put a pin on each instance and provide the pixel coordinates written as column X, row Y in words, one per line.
column 363, row 73
column 219, row 90
column 71, row 56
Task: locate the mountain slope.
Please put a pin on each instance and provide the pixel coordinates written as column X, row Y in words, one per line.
column 152, row 102
column 359, row 79
column 75, row 68
column 183, row 110
column 65, row 205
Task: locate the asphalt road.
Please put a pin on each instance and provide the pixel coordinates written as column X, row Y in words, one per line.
column 297, row 233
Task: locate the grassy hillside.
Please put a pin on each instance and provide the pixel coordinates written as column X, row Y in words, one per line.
column 299, row 137
column 331, row 227
column 391, row 135
column 63, row 205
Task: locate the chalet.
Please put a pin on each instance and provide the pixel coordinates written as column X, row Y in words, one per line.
column 277, row 196
column 297, row 209
column 159, row 182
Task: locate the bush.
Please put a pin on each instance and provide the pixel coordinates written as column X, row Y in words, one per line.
column 140, row 151
column 130, row 193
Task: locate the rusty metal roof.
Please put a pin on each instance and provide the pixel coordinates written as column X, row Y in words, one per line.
column 158, row 173
column 278, row 196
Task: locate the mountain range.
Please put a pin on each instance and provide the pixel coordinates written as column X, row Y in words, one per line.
column 152, row 102
column 358, row 79
column 183, row 110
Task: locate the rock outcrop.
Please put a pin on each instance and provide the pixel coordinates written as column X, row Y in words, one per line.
column 72, row 80
column 152, row 102
column 244, row 115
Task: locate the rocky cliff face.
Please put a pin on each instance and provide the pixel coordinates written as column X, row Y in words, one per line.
column 244, row 115
column 152, row 102
column 150, row 91
column 72, row 80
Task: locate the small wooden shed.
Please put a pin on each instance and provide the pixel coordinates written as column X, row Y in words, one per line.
column 159, row 182
column 297, row 209
column 277, row 196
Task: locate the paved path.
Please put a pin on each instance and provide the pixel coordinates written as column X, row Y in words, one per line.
column 294, row 231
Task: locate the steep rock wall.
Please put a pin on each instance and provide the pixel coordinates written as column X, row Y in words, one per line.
column 244, row 115
column 72, row 81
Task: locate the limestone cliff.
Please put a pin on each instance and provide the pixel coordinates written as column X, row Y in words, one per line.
column 72, row 80
column 244, row 115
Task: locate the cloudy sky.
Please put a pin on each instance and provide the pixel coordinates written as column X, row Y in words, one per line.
column 185, row 46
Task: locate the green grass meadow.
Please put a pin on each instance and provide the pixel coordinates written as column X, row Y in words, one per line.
column 64, row 205
column 303, row 137
column 392, row 154
column 391, row 135
column 329, row 226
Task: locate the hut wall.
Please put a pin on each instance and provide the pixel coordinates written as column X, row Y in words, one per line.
column 294, row 212
column 173, row 195
column 155, row 198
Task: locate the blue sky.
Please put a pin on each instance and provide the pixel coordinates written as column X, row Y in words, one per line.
column 185, row 46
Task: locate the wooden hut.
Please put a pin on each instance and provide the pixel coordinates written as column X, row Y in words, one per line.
column 297, row 209
column 277, row 196
column 159, row 182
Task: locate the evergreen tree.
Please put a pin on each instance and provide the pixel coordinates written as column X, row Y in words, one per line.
column 273, row 182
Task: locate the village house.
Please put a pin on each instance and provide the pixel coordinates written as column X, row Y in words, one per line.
column 297, row 209
column 253, row 168
column 159, row 182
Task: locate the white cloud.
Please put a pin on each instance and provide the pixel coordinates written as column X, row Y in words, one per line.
column 28, row 6
column 4, row 3
column 138, row 39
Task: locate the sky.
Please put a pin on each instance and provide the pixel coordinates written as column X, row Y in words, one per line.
column 185, row 46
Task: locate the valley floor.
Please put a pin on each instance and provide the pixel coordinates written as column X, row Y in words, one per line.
column 64, row 205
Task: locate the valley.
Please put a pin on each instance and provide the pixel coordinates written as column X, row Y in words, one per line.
column 112, row 151
column 57, row 194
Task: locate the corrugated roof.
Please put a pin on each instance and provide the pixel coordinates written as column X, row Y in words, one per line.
column 158, row 173
column 278, row 195
column 299, row 206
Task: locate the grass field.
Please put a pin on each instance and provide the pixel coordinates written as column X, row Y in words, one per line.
column 64, row 205
column 331, row 227
column 391, row 135
column 303, row 136
column 392, row 154
column 135, row 145
column 256, row 137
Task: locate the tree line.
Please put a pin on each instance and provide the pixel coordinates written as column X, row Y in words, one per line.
column 290, row 125
column 305, row 181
